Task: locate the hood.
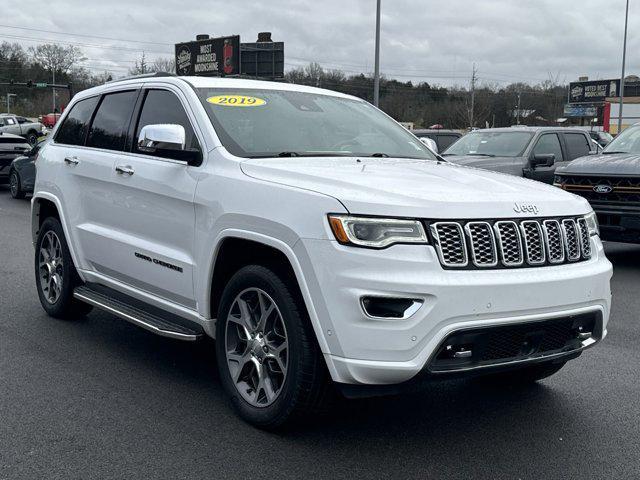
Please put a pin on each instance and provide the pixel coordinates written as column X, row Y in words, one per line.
column 480, row 161
column 417, row 188
column 614, row 164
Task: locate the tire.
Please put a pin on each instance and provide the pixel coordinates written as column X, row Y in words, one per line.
column 304, row 387
column 15, row 185
column 525, row 375
column 56, row 275
column 32, row 138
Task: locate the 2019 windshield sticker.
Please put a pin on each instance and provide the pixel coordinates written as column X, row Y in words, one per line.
column 236, row 101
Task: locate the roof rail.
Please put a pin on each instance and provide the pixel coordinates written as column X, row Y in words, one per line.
column 144, row 75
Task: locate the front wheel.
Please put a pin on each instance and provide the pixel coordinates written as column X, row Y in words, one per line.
column 56, row 276
column 32, row 138
column 269, row 362
column 15, row 185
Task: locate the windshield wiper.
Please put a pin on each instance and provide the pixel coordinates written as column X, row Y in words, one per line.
column 379, row 155
column 288, row 154
column 611, row 153
column 480, row 154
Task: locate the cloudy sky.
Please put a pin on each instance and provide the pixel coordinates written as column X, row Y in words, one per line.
column 422, row 40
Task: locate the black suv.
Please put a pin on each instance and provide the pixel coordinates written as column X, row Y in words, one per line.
column 532, row 152
column 611, row 183
column 11, row 146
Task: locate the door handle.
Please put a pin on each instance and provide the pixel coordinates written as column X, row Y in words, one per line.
column 71, row 160
column 124, row 170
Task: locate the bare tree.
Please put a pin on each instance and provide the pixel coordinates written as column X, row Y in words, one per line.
column 166, row 64
column 56, row 58
column 141, row 67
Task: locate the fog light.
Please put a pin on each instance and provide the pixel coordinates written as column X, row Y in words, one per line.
column 390, row 307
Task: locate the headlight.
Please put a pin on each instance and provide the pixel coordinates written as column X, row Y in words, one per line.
column 376, row 232
column 592, row 223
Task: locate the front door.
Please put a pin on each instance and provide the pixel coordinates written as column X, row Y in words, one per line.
column 547, row 143
column 152, row 211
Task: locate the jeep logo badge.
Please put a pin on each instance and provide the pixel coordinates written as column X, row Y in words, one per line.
column 602, row 188
column 525, row 208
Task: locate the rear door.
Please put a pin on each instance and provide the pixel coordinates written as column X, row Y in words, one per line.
column 87, row 145
column 152, row 214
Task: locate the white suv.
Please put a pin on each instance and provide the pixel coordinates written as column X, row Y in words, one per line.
column 323, row 246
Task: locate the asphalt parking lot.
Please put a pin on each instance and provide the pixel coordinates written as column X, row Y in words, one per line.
column 100, row 398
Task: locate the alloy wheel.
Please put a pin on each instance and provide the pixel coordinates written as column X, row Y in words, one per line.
column 256, row 346
column 50, row 264
column 14, row 184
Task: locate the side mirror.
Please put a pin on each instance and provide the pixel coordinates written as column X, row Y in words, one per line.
column 543, row 160
column 167, row 140
column 430, row 144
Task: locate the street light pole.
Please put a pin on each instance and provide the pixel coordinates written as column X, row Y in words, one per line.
column 624, row 57
column 9, row 95
column 376, row 73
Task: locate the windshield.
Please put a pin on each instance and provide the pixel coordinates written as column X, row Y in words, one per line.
column 499, row 144
column 627, row 142
column 255, row 123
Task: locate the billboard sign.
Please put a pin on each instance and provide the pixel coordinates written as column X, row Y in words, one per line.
column 593, row 91
column 580, row 111
column 210, row 57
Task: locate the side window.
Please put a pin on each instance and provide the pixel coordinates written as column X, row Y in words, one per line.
column 163, row 107
column 577, row 145
column 75, row 125
column 549, row 143
column 9, row 121
column 445, row 141
column 111, row 122
column 22, row 120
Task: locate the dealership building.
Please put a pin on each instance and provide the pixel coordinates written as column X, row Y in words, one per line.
column 596, row 103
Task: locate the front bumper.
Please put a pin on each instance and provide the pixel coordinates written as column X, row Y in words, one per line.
column 377, row 351
column 619, row 224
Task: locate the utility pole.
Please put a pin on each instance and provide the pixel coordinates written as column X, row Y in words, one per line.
column 624, row 57
column 473, row 97
column 9, row 95
column 53, row 89
column 518, row 110
column 376, row 72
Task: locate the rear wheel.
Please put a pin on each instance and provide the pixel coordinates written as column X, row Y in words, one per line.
column 526, row 375
column 32, row 138
column 269, row 361
column 15, row 186
column 56, row 276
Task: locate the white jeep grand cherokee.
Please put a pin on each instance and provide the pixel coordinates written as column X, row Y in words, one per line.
column 320, row 243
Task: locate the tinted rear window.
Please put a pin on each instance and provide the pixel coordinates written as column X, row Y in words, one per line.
column 109, row 126
column 577, row 144
column 74, row 128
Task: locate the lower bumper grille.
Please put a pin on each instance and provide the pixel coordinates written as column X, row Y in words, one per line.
column 499, row 345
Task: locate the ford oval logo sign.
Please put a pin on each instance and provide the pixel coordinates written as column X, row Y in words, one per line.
column 602, row 188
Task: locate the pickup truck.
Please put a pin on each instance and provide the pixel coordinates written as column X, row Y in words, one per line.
column 21, row 126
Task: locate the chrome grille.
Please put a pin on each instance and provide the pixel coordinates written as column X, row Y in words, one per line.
column 452, row 248
column 533, row 241
column 511, row 243
column 571, row 239
column 585, row 238
column 553, row 240
column 483, row 244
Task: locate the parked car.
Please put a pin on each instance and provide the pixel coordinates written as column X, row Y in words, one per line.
column 531, row 152
column 443, row 138
column 21, row 126
column 603, row 138
column 50, row 119
column 611, row 183
column 320, row 243
column 11, row 147
column 22, row 172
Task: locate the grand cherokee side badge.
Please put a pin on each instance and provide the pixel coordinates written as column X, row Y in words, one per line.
column 525, row 208
column 602, row 188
